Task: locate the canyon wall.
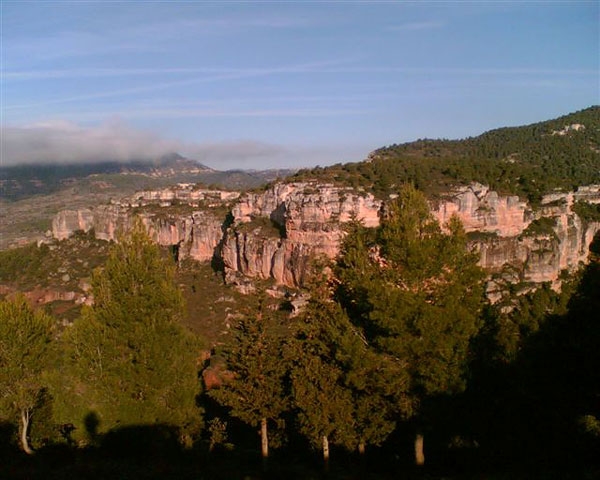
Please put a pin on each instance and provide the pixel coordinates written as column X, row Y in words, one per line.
column 309, row 218
column 274, row 233
column 196, row 228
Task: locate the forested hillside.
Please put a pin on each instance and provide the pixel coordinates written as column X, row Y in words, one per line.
column 397, row 343
column 389, row 358
column 528, row 161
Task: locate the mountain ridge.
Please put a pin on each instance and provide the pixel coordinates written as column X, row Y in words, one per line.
column 20, row 182
column 529, row 161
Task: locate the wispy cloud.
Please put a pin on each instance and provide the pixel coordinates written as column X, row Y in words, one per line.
column 462, row 70
column 181, row 113
column 68, row 143
column 229, row 73
column 415, row 26
column 220, row 75
column 135, row 36
column 109, row 72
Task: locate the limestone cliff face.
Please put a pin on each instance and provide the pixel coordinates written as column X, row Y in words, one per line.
column 481, row 209
column 66, row 222
column 310, row 217
column 541, row 257
column 274, row 234
column 197, row 232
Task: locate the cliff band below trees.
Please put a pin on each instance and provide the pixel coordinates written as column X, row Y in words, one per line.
column 274, row 233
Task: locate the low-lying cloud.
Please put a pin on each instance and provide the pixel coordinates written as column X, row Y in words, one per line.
column 67, row 143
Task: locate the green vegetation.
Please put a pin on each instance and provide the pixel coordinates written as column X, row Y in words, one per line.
column 396, row 344
column 416, row 293
column 527, row 161
column 127, row 360
column 25, row 355
column 588, row 212
column 338, row 385
column 269, row 228
column 479, row 236
column 46, row 265
column 256, row 392
column 541, row 227
column 25, row 263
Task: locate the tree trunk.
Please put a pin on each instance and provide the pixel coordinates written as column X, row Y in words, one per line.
column 25, row 417
column 264, row 439
column 419, row 453
column 326, row 452
column 361, row 448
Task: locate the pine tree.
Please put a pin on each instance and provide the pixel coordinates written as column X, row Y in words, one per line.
column 25, row 352
column 323, row 403
column 127, row 360
column 420, row 299
column 335, row 380
column 256, row 392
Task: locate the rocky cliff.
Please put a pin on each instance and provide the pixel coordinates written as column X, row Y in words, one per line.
column 274, row 233
column 306, row 220
column 551, row 239
column 190, row 219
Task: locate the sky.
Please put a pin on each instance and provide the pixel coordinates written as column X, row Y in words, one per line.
column 282, row 84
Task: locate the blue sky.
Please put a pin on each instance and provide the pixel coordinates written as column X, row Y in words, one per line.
column 280, row 84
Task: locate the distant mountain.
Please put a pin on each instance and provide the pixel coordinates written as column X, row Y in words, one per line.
column 528, row 161
column 18, row 182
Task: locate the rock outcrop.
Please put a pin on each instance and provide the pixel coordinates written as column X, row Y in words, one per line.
column 481, row 209
column 195, row 228
column 541, row 256
column 306, row 220
column 274, row 233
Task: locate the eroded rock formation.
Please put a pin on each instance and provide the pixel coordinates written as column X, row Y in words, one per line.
column 195, row 229
column 310, row 218
column 481, row 209
column 274, row 233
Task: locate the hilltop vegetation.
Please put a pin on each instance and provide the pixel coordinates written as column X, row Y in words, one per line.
column 528, row 161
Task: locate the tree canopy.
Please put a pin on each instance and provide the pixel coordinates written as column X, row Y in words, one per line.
column 416, row 291
column 127, row 360
column 528, row 161
column 25, row 355
column 256, row 392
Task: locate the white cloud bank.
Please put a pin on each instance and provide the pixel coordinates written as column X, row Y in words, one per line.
column 67, row 143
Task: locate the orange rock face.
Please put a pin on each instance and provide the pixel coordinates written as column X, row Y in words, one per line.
column 275, row 233
column 312, row 216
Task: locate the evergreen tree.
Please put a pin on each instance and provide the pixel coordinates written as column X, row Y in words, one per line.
column 256, row 392
column 127, row 360
column 324, row 404
column 421, row 297
column 336, row 383
column 25, row 349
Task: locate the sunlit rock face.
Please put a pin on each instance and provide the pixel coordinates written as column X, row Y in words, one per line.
column 275, row 233
column 197, row 233
column 67, row 222
column 310, row 217
column 542, row 257
column 481, row 209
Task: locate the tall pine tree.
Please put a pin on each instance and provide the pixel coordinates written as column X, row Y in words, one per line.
column 256, row 393
column 417, row 300
column 25, row 352
column 128, row 360
column 337, row 386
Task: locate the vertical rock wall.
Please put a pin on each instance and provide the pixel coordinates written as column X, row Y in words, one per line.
column 275, row 233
